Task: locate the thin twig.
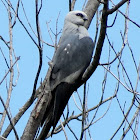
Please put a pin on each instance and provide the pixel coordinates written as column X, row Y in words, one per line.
column 127, row 17
column 69, row 5
column 72, row 132
column 17, row 117
column 40, row 53
column 4, row 58
column 10, row 88
column 99, row 117
column 99, row 46
column 5, row 42
column 63, row 130
column 72, row 117
column 116, row 7
column 9, row 70
column 18, row 72
column 127, row 113
column 73, row 4
column 31, row 25
column 136, row 125
column 122, row 83
column 16, row 13
column 9, row 118
column 83, row 113
column 125, row 117
column 22, row 24
column 113, row 20
column 76, row 103
column 47, row 23
column 56, row 31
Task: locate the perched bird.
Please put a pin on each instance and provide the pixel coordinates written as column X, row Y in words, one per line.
column 70, row 61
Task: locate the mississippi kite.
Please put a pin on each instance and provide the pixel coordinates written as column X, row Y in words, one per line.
column 70, row 61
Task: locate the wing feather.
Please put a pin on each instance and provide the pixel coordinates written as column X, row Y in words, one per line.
column 71, row 59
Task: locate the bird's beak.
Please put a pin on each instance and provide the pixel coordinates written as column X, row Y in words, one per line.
column 85, row 19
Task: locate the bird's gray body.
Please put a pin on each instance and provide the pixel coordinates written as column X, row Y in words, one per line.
column 70, row 61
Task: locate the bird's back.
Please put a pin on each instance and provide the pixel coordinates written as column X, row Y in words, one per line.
column 71, row 59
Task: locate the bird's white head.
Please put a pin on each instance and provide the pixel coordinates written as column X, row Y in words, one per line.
column 76, row 17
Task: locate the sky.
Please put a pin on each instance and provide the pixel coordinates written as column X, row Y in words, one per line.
column 28, row 64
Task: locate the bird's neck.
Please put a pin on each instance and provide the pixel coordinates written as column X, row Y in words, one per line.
column 79, row 30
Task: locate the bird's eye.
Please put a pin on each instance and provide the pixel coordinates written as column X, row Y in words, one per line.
column 79, row 14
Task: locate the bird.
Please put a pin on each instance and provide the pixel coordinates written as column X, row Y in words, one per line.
column 71, row 59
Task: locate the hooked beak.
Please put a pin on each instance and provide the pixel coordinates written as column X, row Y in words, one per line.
column 85, row 19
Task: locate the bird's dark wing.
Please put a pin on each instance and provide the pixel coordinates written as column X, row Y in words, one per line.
column 71, row 59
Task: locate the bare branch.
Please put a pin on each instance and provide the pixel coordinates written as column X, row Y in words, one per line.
column 91, row 123
column 47, row 23
column 90, row 9
column 40, row 52
column 125, row 116
column 2, row 138
column 5, row 42
column 4, row 59
column 69, row 5
column 98, row 51
column 9, row 91
column 113, row 20
column 136, row 126
column 9, row 70
column 73, row 117
column 76, row 103
column 31, row 25
column 127, row 17
column 72, row 132
column 116, row 7
column 122, row 83
column 5, row 107
column 83, row 113
column 16, row 13
column 16, row 118
column 64, row 130
column 73, row 4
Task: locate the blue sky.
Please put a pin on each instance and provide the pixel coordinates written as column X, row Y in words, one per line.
column 24, row 47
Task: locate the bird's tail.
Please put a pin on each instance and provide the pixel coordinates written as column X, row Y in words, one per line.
column 53, row 113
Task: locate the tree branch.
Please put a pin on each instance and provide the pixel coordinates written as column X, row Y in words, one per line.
column 116, row 7
column 11, row 123
column 90, row 9
column 10, row 88
column 40, row 52
column 83, row 113
column 16, row 118
column 100, row 42
column 9, row 69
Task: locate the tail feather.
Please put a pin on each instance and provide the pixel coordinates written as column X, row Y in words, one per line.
column 61, row 96
column 46, row 124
